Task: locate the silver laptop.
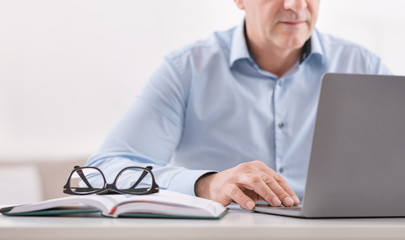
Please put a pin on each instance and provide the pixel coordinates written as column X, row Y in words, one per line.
column 357, row 163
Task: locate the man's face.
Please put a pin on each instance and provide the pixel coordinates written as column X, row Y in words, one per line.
column 285, row 24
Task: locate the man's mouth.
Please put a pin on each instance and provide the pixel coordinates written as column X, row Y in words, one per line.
column 292, row 23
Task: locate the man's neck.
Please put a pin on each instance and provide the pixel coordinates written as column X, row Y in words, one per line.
column 274, row 60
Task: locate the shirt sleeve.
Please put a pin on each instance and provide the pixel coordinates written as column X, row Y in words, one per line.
column 376, row 66
column 149, row 133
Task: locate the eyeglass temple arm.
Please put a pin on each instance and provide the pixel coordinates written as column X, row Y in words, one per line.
column 141, row 177
column 80, row 173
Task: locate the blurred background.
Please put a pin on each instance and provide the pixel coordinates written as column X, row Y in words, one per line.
column 70, row 69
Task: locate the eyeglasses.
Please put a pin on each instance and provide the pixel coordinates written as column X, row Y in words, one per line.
column 130, row 180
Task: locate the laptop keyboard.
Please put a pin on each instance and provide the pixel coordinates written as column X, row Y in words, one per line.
column 293, row 208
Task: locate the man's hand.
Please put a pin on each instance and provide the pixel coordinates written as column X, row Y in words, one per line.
column 246, row 184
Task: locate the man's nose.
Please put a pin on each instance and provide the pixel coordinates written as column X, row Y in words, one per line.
column 295, row 5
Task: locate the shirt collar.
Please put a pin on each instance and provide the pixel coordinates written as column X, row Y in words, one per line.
column 316, row 47
column 306, row 50
column 239, row 47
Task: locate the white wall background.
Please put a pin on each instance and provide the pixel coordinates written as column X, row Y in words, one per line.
column 69, row 69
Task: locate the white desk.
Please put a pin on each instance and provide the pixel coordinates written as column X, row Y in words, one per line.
column 237, row 224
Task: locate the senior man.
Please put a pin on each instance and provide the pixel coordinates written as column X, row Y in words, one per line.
column 234, row 114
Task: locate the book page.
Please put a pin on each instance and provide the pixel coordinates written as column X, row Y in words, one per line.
column 169, row 200
column 99, row 202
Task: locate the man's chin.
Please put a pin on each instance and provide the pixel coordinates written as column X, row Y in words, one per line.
column 292, row 39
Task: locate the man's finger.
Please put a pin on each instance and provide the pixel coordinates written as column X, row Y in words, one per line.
column 284, row 196
column 235, row 193
column 284, row 188
column 271, row 174
column 256, row 183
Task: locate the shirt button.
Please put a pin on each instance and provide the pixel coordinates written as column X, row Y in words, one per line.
column 281, row 125
column 281, row 170
column 280, row 83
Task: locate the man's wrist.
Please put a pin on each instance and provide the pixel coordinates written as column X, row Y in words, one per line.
column 201, row 186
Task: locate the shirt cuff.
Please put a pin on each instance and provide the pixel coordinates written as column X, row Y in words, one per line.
column 184, row 181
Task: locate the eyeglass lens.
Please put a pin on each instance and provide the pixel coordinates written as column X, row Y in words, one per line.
column 134, row 180
column 86, row 180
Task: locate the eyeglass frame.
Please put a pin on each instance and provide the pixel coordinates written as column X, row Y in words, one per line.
column 111, row 188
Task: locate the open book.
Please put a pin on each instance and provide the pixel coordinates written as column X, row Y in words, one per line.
column 164, row 204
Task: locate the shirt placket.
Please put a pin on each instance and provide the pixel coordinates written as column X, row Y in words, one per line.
column 280, row 124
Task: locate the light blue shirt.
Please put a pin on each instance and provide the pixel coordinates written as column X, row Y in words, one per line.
column 209, row 107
